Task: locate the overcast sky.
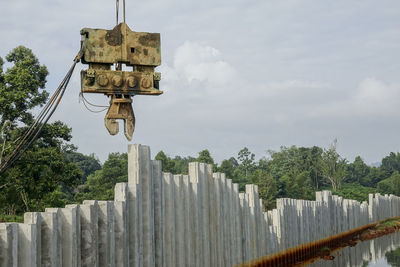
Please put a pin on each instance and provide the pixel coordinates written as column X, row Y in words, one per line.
column 255, row 73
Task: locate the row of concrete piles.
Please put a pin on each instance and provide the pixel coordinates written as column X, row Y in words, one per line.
column 301, row 221
column 160, row 219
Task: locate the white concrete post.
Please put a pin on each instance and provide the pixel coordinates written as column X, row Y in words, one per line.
column 280, row 220
column 262, row 235
column 243, row 225
column 51, row 254
column 140, row 174
column 121, row 226
column 89, row 235
column 187, row 221
column 35, row 218
column 158, row 213
column 9, row 244
column 178, row 194
column 76, row 233
column 231, row 223
column 226, row 226
column 219, row 219
column 238, row 227
column 195, row 201
column 169, row 221
column 27, row 248
column 106, row 236
column 252, row 198
column 134, row 204
column 58, row 231
column 205, row 214
column 70, row 236
column 196, row 171
column 213, row 218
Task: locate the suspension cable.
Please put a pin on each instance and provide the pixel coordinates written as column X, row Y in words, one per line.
column 124, row 11
column 117, row 9
column 34, row 130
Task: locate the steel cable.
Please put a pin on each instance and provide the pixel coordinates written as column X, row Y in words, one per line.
column 34, row 130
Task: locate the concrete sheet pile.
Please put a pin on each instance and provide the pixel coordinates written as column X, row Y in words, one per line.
column 160, row 219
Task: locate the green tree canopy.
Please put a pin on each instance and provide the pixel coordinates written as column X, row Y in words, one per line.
column 42, row 168
column 267, row 188
column 21, row 86
column 246, row 160
column 87, row 164
column 390, row 185
column 228, row 167
column 333, row 166
column 100, row 184
column 205, row 157
column 357, row 171
column 390, row 164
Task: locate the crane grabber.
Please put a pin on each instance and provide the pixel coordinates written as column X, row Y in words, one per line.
column 105, row 51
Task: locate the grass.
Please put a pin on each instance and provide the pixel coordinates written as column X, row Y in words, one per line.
column 11, row 218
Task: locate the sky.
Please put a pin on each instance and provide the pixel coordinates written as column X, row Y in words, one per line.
column 257, row 73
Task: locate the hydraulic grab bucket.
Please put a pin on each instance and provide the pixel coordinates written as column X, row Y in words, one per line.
column 105, row 51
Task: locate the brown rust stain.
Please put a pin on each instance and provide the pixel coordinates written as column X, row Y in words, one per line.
column 114, row 36
column 151, row 39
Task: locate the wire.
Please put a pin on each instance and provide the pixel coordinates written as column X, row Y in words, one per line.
column 34, row 130
column 117, row 9
column 124, row 11
column 85, row 101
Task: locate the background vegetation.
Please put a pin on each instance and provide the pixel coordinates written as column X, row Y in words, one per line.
column 53, row 173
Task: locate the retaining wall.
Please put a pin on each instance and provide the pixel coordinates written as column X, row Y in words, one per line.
column 160, row 219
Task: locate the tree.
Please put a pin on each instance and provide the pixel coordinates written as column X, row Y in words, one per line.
column 390, row 164
column 246, row 159
column 333, row 166
column 390, row 185
column 267, row 188
column 20, row 86
column 43, row 167
column 228, row 167
column 373, row 177
column 176, row 165
column 100, row 184
column 357, row 171
column 355, row 191
column 40, row 171
column 87, row 164
column 205, row 157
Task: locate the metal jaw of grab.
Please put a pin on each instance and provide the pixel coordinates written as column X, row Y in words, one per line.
column 139, row 51
column 120, row 108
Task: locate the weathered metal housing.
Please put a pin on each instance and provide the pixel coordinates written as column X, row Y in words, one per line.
column 138, row 51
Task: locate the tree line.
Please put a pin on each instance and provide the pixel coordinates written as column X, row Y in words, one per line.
column 298, row 172
column 52, row 173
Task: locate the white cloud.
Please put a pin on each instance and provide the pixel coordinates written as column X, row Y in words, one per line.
column 372, row 98
column 194, row 62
